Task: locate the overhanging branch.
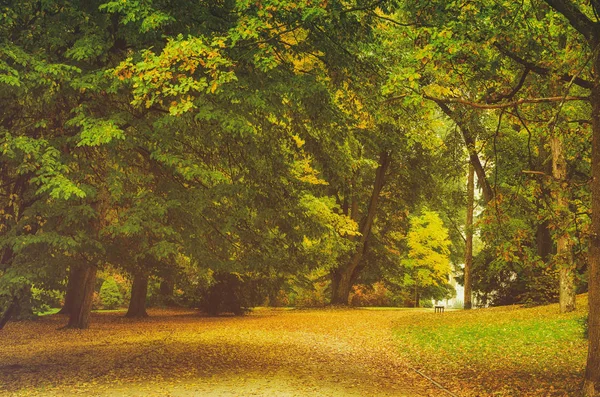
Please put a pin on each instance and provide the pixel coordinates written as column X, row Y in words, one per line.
column 507, row 104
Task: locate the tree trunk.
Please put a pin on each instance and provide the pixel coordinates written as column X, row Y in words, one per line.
column 343, row 276
column 465, row 123
column 73, row 293
column 592, row 370
column 563, row 247
column 543, row 241
column 139, row 290
column 416, row 295
column 167, row 288
column 81, row 309
column 8, row 313
column 469, row 238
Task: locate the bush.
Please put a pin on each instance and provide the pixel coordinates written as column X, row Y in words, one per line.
column 43, row 300
column 312, row 296
column 370, row 295
column 585, row 326
column 110, row 296
column 227, row 294
column 426, row 303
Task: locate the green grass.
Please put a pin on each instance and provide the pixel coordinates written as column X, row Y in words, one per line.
column 508, row 350
column 53, row 310
column 109, row 311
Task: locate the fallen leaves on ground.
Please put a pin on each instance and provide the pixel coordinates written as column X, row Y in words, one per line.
column 179, row 353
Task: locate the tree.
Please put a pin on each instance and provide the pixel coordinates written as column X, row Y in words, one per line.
column 428, row 262
column 469, row 240
column 590, row 30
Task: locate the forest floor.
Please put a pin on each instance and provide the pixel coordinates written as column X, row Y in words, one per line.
column 330, row 352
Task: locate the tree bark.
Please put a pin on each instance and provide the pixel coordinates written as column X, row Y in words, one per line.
column 592, row 371
column 74, row 290
column 139, row 291
column 343, row 276
column 81, row 309
column 167, row 288
column 416, row 295
column 563, row 257
column 9, row 312
column 469, row 238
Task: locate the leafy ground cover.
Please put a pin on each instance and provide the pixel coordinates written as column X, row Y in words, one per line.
column 504, row 351
column 178, row 353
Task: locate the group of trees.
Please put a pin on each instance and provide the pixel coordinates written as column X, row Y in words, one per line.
column 366, row 140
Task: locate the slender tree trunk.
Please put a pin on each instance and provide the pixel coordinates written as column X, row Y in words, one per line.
column 9, row 312
column 592, row 370
column 416, row 295
column 563, row 248
column 343, row 276
column 469, row 238
column 81, row 309
column 167, row 288
column 465, row 124
column 73, row 293
column 139, row 290
column 543, row 241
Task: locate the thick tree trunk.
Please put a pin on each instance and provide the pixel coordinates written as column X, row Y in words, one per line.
column 342, row 277
column 139, row 290
column 342, row 280
column 81, row 309
column 74, row 290
column 469, row 238
column 563, row 248
column 592, row 370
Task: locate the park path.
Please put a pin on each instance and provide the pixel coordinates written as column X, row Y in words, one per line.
column 177, row 353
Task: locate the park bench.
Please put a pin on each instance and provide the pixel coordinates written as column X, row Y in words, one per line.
column 438, row 309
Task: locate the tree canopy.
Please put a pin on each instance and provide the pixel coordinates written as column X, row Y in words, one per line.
column 298, row 146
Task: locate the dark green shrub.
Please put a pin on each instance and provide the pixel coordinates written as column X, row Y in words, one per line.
column 110, row 296
column 230, row 293
column 585, row 326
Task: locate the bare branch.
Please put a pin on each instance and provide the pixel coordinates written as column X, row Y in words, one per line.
column 578, row 20
column 507, row 104
column 542, row 70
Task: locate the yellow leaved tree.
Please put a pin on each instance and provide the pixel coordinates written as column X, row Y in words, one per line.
column 428, row 263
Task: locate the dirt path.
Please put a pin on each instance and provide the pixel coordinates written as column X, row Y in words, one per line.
column 269, row 353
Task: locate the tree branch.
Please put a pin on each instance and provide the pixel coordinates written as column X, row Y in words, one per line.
column 578, row 20
column 507, row 104
column 542, row 71
column 514, row 91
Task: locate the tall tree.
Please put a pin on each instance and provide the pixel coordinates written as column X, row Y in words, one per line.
column 468, row 282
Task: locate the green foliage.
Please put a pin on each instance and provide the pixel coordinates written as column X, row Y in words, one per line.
column 110, row 296
column 498, row 342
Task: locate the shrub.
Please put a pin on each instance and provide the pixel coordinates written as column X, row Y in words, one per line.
column 426, row 303
column 43, row 300
column 312, row 296
column 227, row 294
column 96, row 302
column 110, row 296
column 370, row 295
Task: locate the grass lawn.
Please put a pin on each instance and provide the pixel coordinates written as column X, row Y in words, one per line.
column 504, row 351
